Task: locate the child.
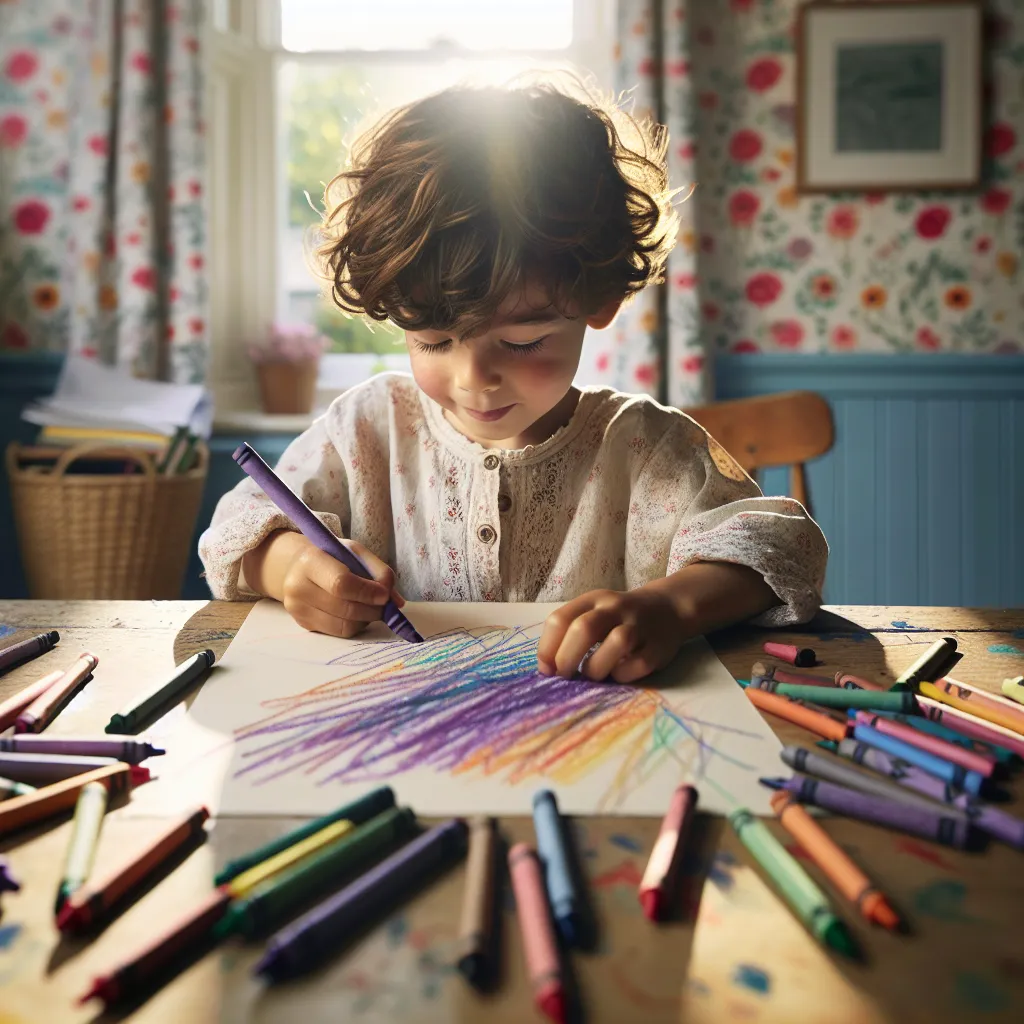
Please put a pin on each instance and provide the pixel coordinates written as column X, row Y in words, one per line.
column 494, row 226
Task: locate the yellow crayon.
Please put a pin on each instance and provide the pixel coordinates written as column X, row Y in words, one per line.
column 1014, row 689
column 244, row 883
column 964, row 702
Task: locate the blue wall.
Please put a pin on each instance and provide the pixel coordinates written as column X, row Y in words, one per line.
column 921, row 498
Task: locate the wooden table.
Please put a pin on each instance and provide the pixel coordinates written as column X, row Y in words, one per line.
column 737, row 954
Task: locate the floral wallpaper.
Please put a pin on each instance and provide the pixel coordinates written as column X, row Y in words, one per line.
column 102, row 202
column 778, row 272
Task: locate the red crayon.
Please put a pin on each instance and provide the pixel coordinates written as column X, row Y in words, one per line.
column 659, row 876
column 802, row 657
column 134, row 974
column 847, row 680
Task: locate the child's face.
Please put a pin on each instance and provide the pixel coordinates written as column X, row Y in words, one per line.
column 511, row 384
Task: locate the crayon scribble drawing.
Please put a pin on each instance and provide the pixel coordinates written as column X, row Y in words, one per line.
column 464, row 722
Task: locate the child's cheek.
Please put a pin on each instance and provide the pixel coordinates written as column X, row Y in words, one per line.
column 542, row 373
column 431, row 379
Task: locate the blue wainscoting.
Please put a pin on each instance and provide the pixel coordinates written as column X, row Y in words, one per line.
column 922, row 497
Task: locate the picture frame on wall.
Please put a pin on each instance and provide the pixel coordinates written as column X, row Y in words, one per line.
column 889, row 96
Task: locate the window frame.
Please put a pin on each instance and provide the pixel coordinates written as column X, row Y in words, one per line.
column 244, row 56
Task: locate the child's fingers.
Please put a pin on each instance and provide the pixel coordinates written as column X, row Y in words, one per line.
column 381, row 571
column 641, row 664
column 317, row 620
column 555, row 627
column 331, row 576
column 586, row 630
column 620, row 643
column 335, row 603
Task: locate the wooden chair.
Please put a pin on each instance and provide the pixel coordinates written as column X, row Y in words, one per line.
column 772, row 430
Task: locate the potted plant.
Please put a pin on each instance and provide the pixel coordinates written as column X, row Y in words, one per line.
column 287, row 364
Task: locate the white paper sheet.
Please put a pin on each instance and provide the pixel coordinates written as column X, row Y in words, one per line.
column 297, row 723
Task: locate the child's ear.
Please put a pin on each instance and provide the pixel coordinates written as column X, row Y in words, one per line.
column 600, row 319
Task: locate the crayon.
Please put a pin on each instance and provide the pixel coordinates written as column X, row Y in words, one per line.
column 312, row 529
column 540, row 948
column 834, row 697
column 798, row 714
column 301, row 945
column 993, row 700
column 967, row 725
column 13, row 706
column 358, row 811
column 142, row 707
column 47, row 706
column 130, row 751
column 8, row 883
column 553, row 850
column 802, row 657
column 85, row 834
column 1002, row 755
column 26, row 650
column 243, row 884
column 968, row 759
column 807, row 901
column 173, row 447
column 834, row 862
column 932, row 664
column 659, row 876
column 52, row 800
column 10, row 788
column 266, row 905
column 848, row 681
column 93, row 902
column 920, row 785
column 45, row 769
column 933, row 824
column 973, row 703
column 133, row 975
column 954, row 774
column 1014, row 688
column 780, row 675
column 476, row 926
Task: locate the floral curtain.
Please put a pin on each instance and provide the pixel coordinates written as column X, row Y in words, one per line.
column 102, row 218
column 655, row 344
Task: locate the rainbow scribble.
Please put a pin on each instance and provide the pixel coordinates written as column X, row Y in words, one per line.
column 471, row 701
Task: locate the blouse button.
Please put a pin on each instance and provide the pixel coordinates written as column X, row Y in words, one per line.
column 504, row 502
column 486, row 534
column 492, row 462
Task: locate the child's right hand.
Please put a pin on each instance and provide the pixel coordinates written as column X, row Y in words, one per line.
column 320, row 593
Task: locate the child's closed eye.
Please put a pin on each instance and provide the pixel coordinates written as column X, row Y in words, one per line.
column 526, row 347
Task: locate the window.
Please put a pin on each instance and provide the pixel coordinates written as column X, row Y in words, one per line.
column 329, row 67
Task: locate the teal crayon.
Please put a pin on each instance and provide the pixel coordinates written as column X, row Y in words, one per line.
column 558, row 875
column 9, row 788
column 357, row 811
column 127, row 720
column 842, row 698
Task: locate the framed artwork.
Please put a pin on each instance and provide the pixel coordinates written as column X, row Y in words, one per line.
column 889, row 96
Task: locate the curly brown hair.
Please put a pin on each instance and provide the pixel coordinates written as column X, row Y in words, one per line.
column 456, row 201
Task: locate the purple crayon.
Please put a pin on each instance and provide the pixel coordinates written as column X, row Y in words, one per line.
column 934, row 825
column 312, row 529
column 302, row 944
column 46, row 769
column 8, row 883
column 25, row 650
column 132, row 751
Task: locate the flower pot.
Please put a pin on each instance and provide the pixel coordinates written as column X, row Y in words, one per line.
column 288, row 387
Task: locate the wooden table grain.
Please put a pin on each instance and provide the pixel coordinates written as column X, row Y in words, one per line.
column 734, row 954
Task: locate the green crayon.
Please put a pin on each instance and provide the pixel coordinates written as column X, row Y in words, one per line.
column 366, row 807
column 9, row 788
column 127, row 721
column 278, row 897
column 805, row 898
column 862, row 700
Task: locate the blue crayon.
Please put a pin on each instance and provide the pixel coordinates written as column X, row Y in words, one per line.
column 558, row 875
column 954, row 774
column 926, row 725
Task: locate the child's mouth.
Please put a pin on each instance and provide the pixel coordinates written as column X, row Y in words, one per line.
column 490, row 415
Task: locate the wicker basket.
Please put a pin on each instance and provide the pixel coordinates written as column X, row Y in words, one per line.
column 118, row 537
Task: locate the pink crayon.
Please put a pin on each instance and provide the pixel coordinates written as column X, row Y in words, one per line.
column 802, row 657
column 972, row 761
column 968, row 725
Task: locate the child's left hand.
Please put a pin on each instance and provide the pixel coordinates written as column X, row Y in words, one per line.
column 639, row 631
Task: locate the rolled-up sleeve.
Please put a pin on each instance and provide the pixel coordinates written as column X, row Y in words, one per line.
column 725, row 518
column 313, row 468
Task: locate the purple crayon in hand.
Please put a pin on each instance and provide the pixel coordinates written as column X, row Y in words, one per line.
column 312, row 529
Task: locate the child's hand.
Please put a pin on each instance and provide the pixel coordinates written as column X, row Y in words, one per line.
column 638, row 631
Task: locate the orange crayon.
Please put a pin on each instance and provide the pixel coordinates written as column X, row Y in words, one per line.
column 797, row 713
column 13, row 706
column 833, row 861
column 49, row 704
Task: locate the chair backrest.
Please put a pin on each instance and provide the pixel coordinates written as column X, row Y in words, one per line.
column 771, row 430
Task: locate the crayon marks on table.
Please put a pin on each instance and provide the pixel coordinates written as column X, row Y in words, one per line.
column 6, row 630
column 1005, row 649
column 944, row 899
column 752, row 977
column 976, row 991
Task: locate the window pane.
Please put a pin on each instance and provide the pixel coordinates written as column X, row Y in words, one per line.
column 323, row 105
column 419, row 24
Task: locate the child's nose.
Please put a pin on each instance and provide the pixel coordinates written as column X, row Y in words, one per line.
column 476, row 373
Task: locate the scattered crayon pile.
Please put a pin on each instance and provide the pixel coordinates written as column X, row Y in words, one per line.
column 919, row 757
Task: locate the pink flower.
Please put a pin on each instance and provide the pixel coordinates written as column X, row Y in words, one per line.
column 646, row 374
column 707, row 243
column 763, row 74
column 995, row 201
column 743, row 207
column 983, row 245
column 12, row 336
column 195, row 261
column 932, row 222
column 686, row 150
column 874, row 198
column 1000, row 139
column 132, row 238
column 645, row 67
column 13, row 130
column 80, row 203
column 927, row 339
column 684, row 282
column 763, row 289
column 708, row 100
column 745, row 346
column 196, row 325
column 31, row 216
column 678, row 68
column 691, row 364
column 842, row 222
column 844, row 336
column 770, row 174
column 745, row 145
column 21, row 64
column 140, row 61
column 602, row 362
column 195, row 188
column 144, row 277
column 98, row 144
column 710, row 311
column 787, row 333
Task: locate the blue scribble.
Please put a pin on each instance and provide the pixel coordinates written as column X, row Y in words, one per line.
column 1004, row 649
column 626, row 842
column 396, row 930
column 754, row 978
column 720, row 871
column 6, row 630
column 979, row 993
column 908, row 627
column 8, row 933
